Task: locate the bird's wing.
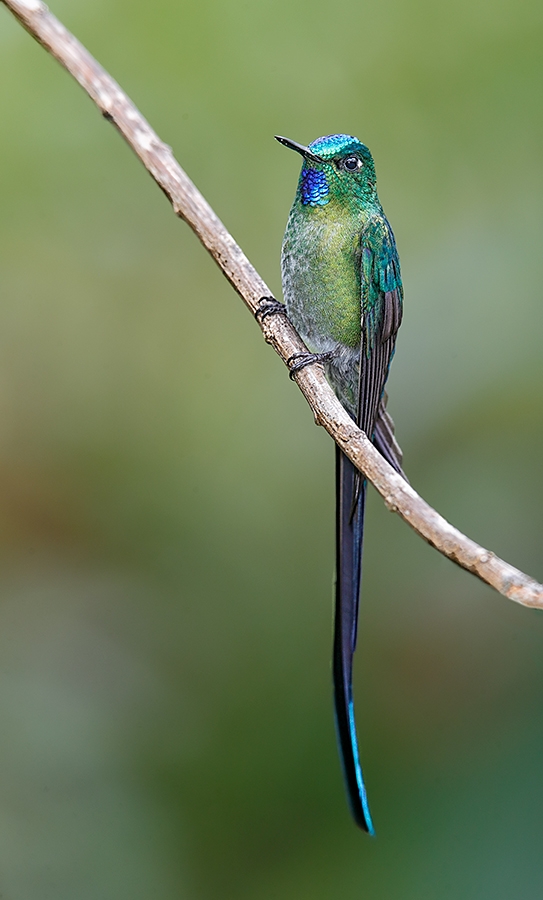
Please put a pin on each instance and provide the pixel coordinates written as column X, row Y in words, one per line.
column 381, row 310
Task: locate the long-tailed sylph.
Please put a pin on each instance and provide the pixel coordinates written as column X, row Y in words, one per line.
column 343, row 292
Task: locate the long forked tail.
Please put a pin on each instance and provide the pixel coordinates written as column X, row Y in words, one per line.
column 349, row 533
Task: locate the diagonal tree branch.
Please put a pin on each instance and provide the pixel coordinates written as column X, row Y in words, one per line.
column 191, row 206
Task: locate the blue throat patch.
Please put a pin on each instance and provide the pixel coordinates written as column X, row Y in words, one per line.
column 314, row 188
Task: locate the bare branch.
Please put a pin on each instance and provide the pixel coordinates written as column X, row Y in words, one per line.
column 191, row 206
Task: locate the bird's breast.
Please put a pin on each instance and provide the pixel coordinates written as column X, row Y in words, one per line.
column 321, row 277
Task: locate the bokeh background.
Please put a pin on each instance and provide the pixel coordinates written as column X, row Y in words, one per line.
column 167, row 503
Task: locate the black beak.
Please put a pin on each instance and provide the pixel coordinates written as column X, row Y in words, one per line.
column 304, row 151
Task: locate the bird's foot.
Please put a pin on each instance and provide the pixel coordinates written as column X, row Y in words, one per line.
column 269, row 306
column 301, row 360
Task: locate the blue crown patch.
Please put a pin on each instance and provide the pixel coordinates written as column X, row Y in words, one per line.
column 331, row 144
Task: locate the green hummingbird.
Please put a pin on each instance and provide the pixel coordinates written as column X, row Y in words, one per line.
column 343, row 292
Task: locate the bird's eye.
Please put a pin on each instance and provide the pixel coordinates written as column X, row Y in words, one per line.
column 352, row 163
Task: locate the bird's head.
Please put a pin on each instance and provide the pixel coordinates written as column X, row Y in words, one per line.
column 335, row 166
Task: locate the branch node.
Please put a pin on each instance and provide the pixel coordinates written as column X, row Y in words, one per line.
column 318, row 419
column 390, row 503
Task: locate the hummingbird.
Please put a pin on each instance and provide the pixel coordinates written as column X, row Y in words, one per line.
column 343, row 293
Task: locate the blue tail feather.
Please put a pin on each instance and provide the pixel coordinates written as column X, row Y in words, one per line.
column 349, row 535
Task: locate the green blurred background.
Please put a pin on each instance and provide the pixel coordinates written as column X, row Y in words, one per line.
column 167, row 503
